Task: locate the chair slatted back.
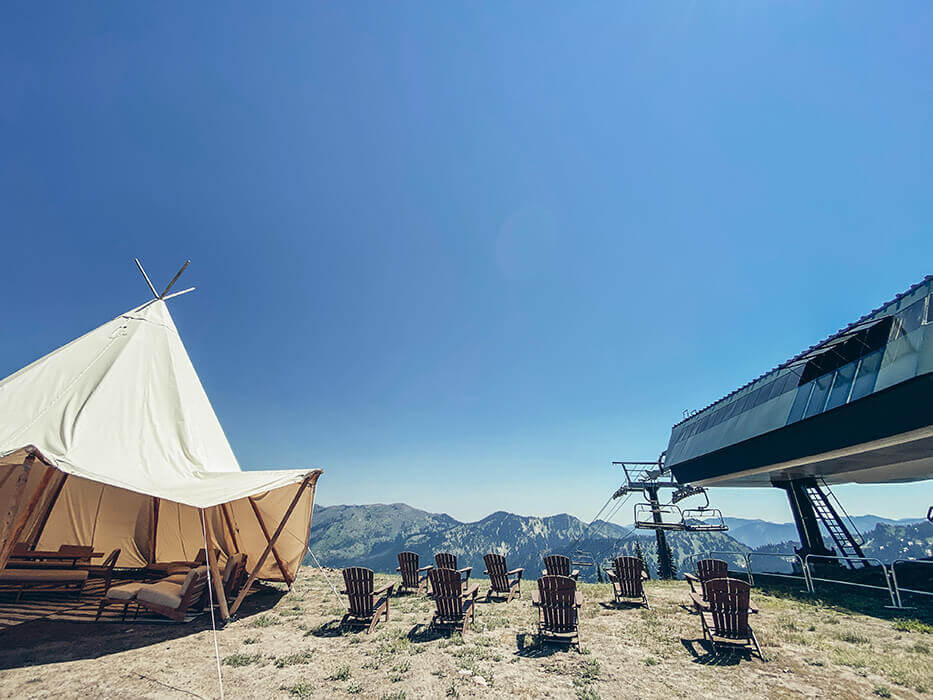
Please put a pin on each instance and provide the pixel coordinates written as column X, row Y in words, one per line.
column 446, row 560
column 558, row 596
column 408, row 566
column 708, row 569
column 447, row 586
column 498, row 572
column 19, row 549
column 712, row 568
column 234, row 573
column 728, row 602
column 358, row 581
column 628, row 573
column 557, row 565
column 194, row 586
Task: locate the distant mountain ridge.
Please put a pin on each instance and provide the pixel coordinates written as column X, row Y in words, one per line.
column 373, row 535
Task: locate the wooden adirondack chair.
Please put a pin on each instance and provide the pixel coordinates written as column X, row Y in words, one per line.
column 501, row 580
column 446, row 560
column 558, row 565
column 558, row 603
column 725, row 621
column 455, row 607
column 413, row 576
column 627, row 576
column 365, row 607
column 706, row 569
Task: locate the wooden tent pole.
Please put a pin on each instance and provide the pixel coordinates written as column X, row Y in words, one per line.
column 265, row 553
column 265, row 531
column 12, row 533
column 153, row 533
column 34, row 541
column 215, row 570
column 230, row 529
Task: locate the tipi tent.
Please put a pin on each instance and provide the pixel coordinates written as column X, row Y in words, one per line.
column 111, row 441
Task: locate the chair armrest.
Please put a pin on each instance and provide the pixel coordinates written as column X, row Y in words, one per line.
column 535, row 598
column 544, row 572
column 485, row 572
column 644, row 575
column 752, row 608
column 398, row 568
column 578, row 599
column 515, row 571
column 467, row 570
column 611, row 574
column 698, row 602
column 380, row 591
column 574, row 574
column 690, row 577
column 426, row 568
column 472, row 593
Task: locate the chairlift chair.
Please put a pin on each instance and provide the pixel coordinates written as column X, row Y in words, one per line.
column 582, row 558
column 672, row 518
column 697, row 520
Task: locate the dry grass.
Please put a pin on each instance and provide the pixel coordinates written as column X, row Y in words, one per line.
column 297, row 650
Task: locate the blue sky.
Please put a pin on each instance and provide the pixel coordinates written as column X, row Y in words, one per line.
column 463, row 255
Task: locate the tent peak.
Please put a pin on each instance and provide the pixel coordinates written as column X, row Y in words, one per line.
column 162, row 296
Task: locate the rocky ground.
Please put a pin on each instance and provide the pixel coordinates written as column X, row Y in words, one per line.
column 288, row 645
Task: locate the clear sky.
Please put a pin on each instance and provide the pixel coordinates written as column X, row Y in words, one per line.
column 463, row 255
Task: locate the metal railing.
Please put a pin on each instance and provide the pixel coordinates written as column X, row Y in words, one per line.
column 804, row 571
column 888, row 572
column 884, row 572
column 897, row 586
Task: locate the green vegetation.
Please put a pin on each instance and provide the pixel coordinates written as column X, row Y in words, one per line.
column 236, row 660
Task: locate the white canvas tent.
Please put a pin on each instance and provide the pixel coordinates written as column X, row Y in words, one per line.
column 111, row 441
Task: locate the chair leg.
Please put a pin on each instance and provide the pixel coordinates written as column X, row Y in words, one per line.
column 757, row 646
column 100, row 609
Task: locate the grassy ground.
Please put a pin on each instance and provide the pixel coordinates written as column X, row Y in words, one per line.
column 290, row 646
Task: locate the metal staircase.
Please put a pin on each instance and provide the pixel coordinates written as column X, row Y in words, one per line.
column 847, row 543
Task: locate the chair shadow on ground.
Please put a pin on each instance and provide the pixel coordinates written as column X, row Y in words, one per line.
column 711, row 657
column 333, row 628
column 421, row 633
column 45, row 641
column 531, row 646
column 622, row 605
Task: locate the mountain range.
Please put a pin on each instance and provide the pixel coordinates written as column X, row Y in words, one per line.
column 373, row 535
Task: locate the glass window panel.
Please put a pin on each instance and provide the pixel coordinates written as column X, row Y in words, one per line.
column 866, row 375
column 840, row 392
column 800, row 402
column 820, row 391
column 910, row 318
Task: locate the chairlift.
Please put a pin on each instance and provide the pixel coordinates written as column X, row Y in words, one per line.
column 697, row 520
column 582, row 558
column 688, row 490
column 671, row 517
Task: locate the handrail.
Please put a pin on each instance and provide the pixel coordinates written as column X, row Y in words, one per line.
column 897, row 586
column 805, row 574
column 859, row 537
column 884, row 572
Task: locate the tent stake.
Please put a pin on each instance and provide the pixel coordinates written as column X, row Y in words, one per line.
column 275, row 552
column 265, row 553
